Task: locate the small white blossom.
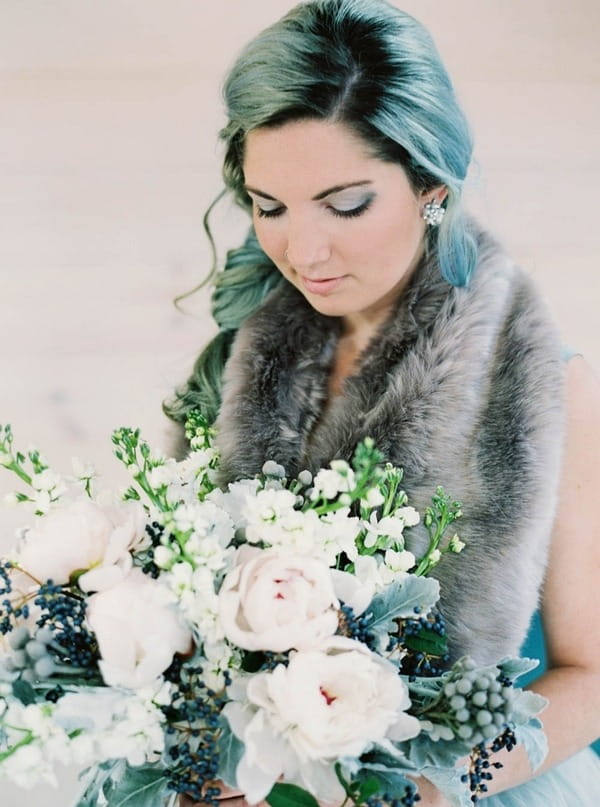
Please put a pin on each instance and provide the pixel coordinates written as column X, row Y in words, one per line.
column 42, row 502
column 374, row 498
column 408, row 515
column 456, row 545
column 82, row 470
column 337, row 533
column 329, row 482
column 401, row 561
column 164, row 556
column 234, row 500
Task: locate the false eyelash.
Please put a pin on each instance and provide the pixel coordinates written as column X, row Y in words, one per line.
column 354, row 212
column 269, row 214
column 344, row 214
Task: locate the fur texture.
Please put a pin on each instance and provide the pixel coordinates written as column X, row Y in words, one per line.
column 462, row 387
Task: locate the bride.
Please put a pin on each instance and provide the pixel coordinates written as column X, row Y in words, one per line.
column 365, row 302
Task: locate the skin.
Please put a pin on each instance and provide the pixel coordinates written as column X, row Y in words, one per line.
column 374, row 254
column 320, row 203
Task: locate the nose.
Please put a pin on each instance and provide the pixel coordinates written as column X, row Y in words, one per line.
column 306, row 246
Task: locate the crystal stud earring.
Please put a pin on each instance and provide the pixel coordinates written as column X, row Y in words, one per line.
column 433, row 213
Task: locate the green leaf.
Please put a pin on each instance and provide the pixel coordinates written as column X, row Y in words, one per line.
column 398, row 601
column 24, row 692
column 139, row 787
column 423, row 751
column 427, row 641
column 515, row 667
column 368, row 788
column 535, row 742
column 230, row 753
column 390, row 781
column 97, row 781
column 525, row 705
column 286, row 795
column 448, row 781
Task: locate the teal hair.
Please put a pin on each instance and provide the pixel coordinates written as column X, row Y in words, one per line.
column 373, row 68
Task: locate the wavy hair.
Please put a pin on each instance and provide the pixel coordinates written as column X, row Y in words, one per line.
column 373, row 68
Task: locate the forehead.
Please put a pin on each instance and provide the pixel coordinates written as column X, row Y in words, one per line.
column 308, row 154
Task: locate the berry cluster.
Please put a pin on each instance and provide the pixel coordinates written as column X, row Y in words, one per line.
column 479, row 703
column 409, row 798
column 193, row 733
column 155, row 532
column 479, row 773
column 31, row 655
column 423, row 638
column 63, row 614
column 355, row 627
column 9, row 613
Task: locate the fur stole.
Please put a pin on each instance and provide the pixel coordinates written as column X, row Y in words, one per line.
column 462, row 387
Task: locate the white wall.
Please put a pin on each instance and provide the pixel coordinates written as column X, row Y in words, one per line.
column 108, row 120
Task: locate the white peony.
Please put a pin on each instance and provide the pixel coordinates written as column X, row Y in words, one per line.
column 82, row 536
column 138, row 629
column 296, row 721
column 277, row 601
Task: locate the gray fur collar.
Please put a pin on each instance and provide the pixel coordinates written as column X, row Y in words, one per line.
column 462, row 387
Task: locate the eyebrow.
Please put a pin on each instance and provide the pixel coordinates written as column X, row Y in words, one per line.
column 319, row 196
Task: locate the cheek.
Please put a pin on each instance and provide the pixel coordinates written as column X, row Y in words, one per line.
column 270, row 239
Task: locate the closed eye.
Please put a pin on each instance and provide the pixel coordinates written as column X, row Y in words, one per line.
column 344, row 213
column 352, row 212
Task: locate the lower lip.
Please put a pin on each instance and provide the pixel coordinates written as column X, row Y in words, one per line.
column 321, row 286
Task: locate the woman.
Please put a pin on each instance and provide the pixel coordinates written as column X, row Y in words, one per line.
column 364, row 302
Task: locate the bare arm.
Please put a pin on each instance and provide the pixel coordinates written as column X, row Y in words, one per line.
column 571, row 597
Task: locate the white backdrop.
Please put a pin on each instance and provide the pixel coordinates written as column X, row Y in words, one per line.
column 108, row 121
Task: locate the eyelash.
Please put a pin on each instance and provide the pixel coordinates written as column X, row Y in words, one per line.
column 342, row 214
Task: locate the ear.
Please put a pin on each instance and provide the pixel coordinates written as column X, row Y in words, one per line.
column 434, row 194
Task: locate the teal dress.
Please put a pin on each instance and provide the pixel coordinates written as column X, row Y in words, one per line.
column 573, row 783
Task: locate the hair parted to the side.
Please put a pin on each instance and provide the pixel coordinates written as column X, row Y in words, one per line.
column 373, row 68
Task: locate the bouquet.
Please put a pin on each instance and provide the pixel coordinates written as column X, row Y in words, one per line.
column 281, row 635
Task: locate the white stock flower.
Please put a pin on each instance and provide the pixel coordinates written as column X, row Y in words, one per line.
column 220, row 658
column 82, row 470
column 391, row 527
column 49, row 481
column 339, row 478
column 337, row 533
column 234, row 500
column 114, row 724
column 138, row 629
column 264, row 512
column 198, row 601
column 296, row 721
column 81, row 537
column 47, row 744
column 408, row 515
column 374, row 498
column 401, row 561
column 276, row 601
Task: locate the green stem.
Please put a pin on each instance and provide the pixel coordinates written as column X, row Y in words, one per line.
column 26, row 740
column 15, row 468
